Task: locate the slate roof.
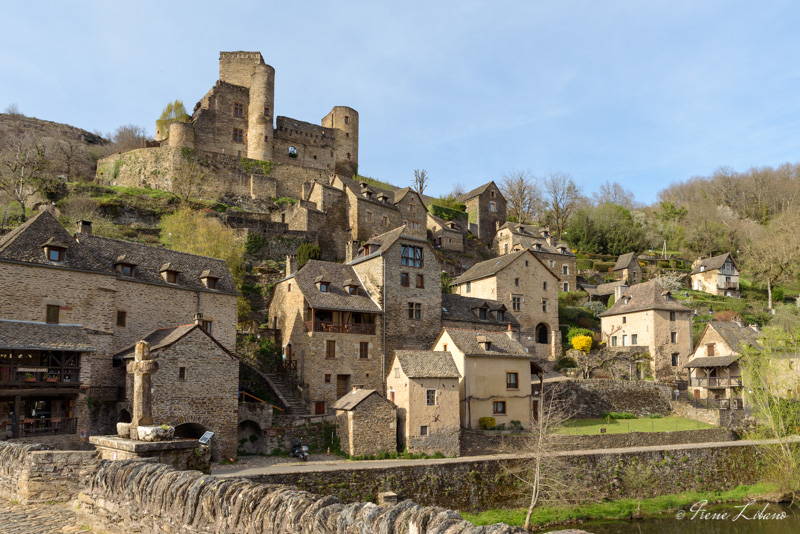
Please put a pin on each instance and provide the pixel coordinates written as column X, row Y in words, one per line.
column 400, row 194
column 386, row 240
column 337, row 297
column 737, row 337
column 494, row 266
column 19, row 335
column 711, row 361
column 602, row 290
column 474, row 193
column 163, row 338
column 502, row 345
column 624, row 261
column 445, row 223
column 460, row 308
column 25, row 242
column 645, row 296
column 150, row 261
column 427, row 364
column 711, row 264
column 353, row 399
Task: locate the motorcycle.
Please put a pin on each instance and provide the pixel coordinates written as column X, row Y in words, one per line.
column 299, row 450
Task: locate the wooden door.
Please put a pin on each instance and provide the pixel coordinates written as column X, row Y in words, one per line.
column 342, row 385
column 697, row 394
column 319, row 408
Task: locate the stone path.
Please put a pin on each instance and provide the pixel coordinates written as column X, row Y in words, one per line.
column 339, row 465
column 38, row 519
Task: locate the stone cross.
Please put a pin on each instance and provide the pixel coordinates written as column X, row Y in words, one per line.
column 141, row 369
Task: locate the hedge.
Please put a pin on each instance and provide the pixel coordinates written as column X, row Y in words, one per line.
column 584, row 264
column 447, row 214
column 603, row 266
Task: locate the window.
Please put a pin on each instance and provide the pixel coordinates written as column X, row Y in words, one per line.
column 710, row 349
column 492, row 207
column 420, row 281
column 565, row 269
column 404, row 279
column 673, row 337
column 353, row 290
column 544, row 285
column 206, row 326
column 266, row 112
column 544, row 305
column 238, row 110
column 181, row 373
column 672, row 316
column 444, row 347
column 412, row 208
column 501, row 316
column 397, row 372
column 512, row 380
column 369, row 216
column 385, row 221
column 211, row 282
column 51, row 316
column 126, row 269
column 55, row 254
column 482, row 314
column 289, row 290
column 526, row 261
column 171, row 277
column 363, row 350
column 430, row 397
column 516, row 303
column 414, row 310
column 238, row 135
column 491, row 194
column 550, row 263
column 413, row 225
column 423, row 431
column 327, row 378
column 516, row 281
column 634, row 339
column 613, row 341
column 624, row 340
column 469, row 287
column 330, row 348
column 566, row 286
column 346, row 119
column 499, row 408
column 292, row 152
column 391, row 395
column 676, row 359
column 411, row 256
column 121, row 318
column 624, row 320
column 323, row 287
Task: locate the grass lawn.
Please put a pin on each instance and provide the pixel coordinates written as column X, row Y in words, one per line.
column 583, row 427
column 622, row 509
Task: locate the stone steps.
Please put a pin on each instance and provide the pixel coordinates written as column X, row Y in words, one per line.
column 294, row 405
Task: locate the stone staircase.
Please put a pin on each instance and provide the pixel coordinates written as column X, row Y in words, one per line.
column 284, row 391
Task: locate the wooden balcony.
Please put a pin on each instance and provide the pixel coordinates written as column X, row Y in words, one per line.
column 716, row 382
column 363, row 329
column 35, row 376
column 47, row 426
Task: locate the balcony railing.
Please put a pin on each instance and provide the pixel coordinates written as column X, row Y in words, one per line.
column 38, row 376
column 727, row 285
column 340, row 328
column 47, row 426
column 716, row 382
column 717, row 404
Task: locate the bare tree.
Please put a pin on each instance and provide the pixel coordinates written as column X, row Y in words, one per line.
column 773, row 253
column 129, row 137
column 562, row 196
column 190, row 180
column 614, row 193
column 24, row 169
column 420, row 180
column 458, row 190
column 13, row 110
column 522, row 195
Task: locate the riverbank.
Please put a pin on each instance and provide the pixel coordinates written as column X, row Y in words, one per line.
column 656, row 507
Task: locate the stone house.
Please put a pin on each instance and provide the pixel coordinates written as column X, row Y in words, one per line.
column 424, row 386
column 717, row 275
column 486, row 209
column 513, row 237
column 526, row 286
column 402, row 274
column 713, row 367
column 496, row 375
column 196, row 387
column 447, row 235
column 366, row 423
column 603, row 292
column 73, row 302
column 459, row 311
column 628, row 269
column 648, row 316
column 331, row 331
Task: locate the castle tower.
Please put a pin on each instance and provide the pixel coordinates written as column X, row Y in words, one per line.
column 344, row 121
column 260, row 112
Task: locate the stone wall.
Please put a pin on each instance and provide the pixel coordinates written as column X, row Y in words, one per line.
column 369, row 428
column 476, row 443
column 722, row 418
column 31, row 473
column 592, row 398
column 148, row 498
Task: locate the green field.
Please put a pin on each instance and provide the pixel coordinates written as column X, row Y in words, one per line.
column 584, row 427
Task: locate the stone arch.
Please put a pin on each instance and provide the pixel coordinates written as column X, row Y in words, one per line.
column 190, row 430
column 124, row 416
column 542, row 334
column 251, row 439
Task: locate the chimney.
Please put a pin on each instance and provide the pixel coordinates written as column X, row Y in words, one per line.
column 291, row 265
column 198, row 318
column 351, row 251
column 84, row 227
column 550, row 240
column 619, row 291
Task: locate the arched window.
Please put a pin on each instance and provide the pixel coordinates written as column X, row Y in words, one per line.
column 542, row 334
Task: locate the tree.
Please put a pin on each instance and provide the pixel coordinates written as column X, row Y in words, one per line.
column 13, row 110
column 772, row 254
column 582, row 233
column 190, row 180
column 420, row 180
column 619, row 233
column 307, row 251
column 561, row 198
column 614, row 193
column 24, row 169
column 172, row 112
column 458, row 190
column 522, row 196
column 129, row 137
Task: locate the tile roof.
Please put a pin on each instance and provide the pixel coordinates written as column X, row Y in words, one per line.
column 624, row 261
column 474, row 193
column 495, row 265
column 337, row 297
column 20, row 335
column 644, row 296
column 427, row 364
column 711, row 264
column 25, row 242
column 353, row 399
column 735, row 335
column 460, row 308
column 711, row 361
column 502, row 345
column 151, row 261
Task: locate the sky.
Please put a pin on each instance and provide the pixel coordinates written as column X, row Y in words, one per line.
column 643, row 93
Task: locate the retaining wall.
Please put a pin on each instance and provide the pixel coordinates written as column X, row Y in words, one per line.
column 592, row 398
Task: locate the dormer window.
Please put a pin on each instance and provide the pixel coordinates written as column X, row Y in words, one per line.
column 702, row 268
column 323, row 287
column 485, row 343
column 501, row 316
column 353, row 290
column 563, row 250
column 55, row 254
column 482, row 313
column 538, row 247
column 126, row 269
column 322, row 284
column 169, row 273
column 211, row 282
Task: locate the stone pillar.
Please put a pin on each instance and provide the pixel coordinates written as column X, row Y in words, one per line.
column 141, row 369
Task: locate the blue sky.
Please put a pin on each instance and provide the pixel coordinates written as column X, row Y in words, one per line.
column 639, row 92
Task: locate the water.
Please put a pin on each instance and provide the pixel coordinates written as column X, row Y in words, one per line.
column 748, row 523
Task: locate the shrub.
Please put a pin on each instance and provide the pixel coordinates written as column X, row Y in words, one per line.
column 618, row 415
column 254, row 243
column 584, row 264
column 582, row 343
column 565, row 363
column 306, row 252
column 595, row 307
column 777, row 294
column 603, row 266
column 486, row 423
column 448, row 214
column 571, row 298
column 655, row 416
column 574, row 331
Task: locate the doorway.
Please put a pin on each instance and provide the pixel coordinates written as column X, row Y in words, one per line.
column 342, row 385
